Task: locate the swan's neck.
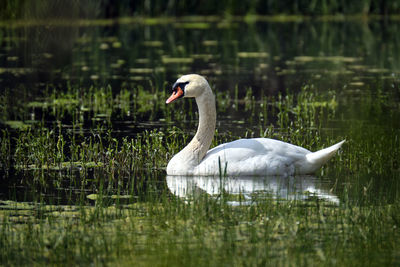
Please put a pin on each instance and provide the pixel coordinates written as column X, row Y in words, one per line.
column 198, row 147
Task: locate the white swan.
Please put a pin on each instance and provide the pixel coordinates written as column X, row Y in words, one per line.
column 258, row 156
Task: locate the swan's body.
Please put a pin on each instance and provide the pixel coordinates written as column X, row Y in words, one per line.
column 257, row 156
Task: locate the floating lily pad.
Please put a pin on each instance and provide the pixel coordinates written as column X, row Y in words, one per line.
column 203, row 56
column 143, row 60
column 210, row 43
column 326, row 58
column 174, row 60
column 141, row 70
column 153, row 43
column 357, row 84
column 116, row 44
column 12, row 58
column 253, row 54
column 377, row 70
column 193, row 25
column 104, row 46
column 16, row 71
column 61, row 166
column 65, row 101
column 37, row 104
column 17, row 125
column 97, row 196
column 14, row 205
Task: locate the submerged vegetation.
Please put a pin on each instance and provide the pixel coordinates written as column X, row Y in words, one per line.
column 202, row 232
column 66, row 142
column 111, row 203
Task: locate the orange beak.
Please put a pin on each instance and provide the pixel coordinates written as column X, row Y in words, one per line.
column 177, row 93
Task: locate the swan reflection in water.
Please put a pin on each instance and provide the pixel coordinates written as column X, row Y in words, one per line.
column 276, row 187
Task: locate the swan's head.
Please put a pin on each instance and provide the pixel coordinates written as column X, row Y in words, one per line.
column 191, row 85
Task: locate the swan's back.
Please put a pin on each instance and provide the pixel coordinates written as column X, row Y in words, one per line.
column 258, row 156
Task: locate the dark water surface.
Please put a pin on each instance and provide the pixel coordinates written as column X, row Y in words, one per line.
column 353, row 67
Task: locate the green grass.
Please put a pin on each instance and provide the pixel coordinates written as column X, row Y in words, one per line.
column 203, row 231
column 40, row 145
column 123, row 8
column 121, row 211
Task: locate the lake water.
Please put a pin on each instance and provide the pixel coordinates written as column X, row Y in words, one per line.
column 92, row 92
column 356, row 64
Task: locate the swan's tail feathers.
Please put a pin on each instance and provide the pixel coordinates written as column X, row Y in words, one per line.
column 316, row 159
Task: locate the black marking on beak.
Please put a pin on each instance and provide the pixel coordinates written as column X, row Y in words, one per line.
column 178, row 91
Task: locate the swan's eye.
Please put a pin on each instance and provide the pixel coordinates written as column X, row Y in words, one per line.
column 181, row 85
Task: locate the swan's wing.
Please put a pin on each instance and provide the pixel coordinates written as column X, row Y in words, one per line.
column 258, row 156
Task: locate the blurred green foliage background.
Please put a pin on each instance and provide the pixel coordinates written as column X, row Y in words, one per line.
column 28, row 9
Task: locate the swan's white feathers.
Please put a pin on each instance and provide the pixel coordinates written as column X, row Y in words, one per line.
column 258, row 156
